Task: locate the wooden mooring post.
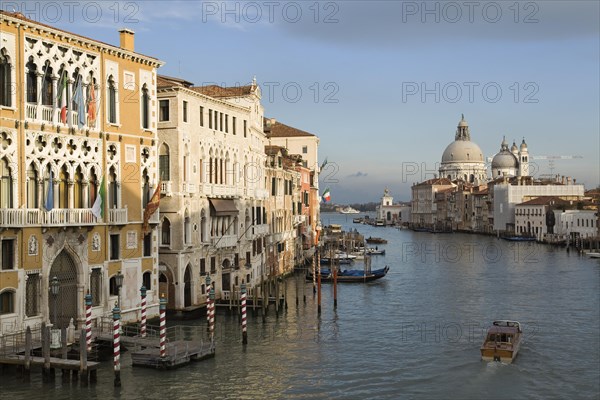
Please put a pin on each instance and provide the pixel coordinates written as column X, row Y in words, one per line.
column 27, row 366
column 66, row 374
column 318, row 282
column 83, row 352
column 244, row 327
column 47, row 371
column 117, row 345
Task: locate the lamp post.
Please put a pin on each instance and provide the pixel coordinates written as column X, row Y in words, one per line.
column 119, row 283
column 55, row 336
column 54, row 289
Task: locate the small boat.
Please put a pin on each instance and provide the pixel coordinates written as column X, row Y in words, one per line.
column 502, row 341
column 375, row 240
column 349, row 210
column 593, row 254
column 519, row 238
column 340, row 258
column 352, row 275
column 375, row 252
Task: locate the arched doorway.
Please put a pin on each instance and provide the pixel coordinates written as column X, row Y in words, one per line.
column 65, row 270
column 187, row 286
column 166, row 285
column 225, row 275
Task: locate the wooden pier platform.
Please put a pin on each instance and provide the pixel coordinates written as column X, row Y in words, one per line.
column 178, row 353
column 57, row 363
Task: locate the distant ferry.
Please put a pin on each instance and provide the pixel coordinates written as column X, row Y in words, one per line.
column 349, row 210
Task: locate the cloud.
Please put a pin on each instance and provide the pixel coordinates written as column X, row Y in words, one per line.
column 358, row 175
column 417, row 23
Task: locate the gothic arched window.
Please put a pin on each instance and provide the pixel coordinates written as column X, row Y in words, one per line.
column 112, row 101
column 5, row 80
column 5, row 185
column 145, row 108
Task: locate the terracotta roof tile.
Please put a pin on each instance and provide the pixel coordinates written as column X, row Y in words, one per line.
column 167, row 81
column 219, row 91
column 435, row 181
column 277, row 129
column 544, row 200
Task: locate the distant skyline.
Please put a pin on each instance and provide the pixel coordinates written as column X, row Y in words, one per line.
column 383, row 84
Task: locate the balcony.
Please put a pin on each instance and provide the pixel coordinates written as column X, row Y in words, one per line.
column 117, row 216
column 57, row 217
column 48, row 114
column 260, row 229
column 298, row 219
column 189, row 187
column 31, row 111
column 166, row 188
column 224, row 241
column 155, row 218
column 205, row 189
column 224, row 190
column 261, row 194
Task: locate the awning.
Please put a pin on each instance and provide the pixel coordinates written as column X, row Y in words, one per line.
column 222, row 207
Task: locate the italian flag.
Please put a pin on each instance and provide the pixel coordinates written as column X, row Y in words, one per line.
column 98, row 207
column 62, row 99
column 326, row 195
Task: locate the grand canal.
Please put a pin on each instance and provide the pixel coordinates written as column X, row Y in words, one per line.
column 414, row 334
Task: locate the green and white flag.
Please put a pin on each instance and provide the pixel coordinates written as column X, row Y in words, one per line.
column 98, row 207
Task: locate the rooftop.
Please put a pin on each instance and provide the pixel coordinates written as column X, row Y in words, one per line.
column 274, row 128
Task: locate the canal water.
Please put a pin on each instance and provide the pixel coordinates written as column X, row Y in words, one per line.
column 414, row 334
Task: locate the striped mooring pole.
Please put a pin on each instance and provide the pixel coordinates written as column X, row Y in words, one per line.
column 207, row 303
column 244, row 332
column 88, row 321
column 163, row 326
column 117, row 344
column 212, row 314
column 143, row 327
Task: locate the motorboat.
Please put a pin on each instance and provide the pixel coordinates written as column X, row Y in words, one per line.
column 349, row 210
column 502, row 341
column 375, row 240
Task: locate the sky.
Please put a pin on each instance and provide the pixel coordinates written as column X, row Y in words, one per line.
column 383, row 84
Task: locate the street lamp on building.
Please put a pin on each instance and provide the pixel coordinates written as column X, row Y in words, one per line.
column 54, row 289
column 119, row 283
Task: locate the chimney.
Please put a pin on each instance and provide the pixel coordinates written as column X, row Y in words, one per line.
column 127, row 39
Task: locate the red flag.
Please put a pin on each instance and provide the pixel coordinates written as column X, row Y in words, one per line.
column 92, row 106
column 151, row 208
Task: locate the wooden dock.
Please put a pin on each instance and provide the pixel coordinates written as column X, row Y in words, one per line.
column 178, row 353
column 57, row 363
column 184, row 345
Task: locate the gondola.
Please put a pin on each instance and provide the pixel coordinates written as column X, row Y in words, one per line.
column 351, row 275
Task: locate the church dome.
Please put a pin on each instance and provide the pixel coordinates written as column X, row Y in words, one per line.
column 505, row 159
column 462, row 151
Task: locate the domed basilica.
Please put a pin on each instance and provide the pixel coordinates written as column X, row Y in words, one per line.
column 463, row 159
column 513, row 162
